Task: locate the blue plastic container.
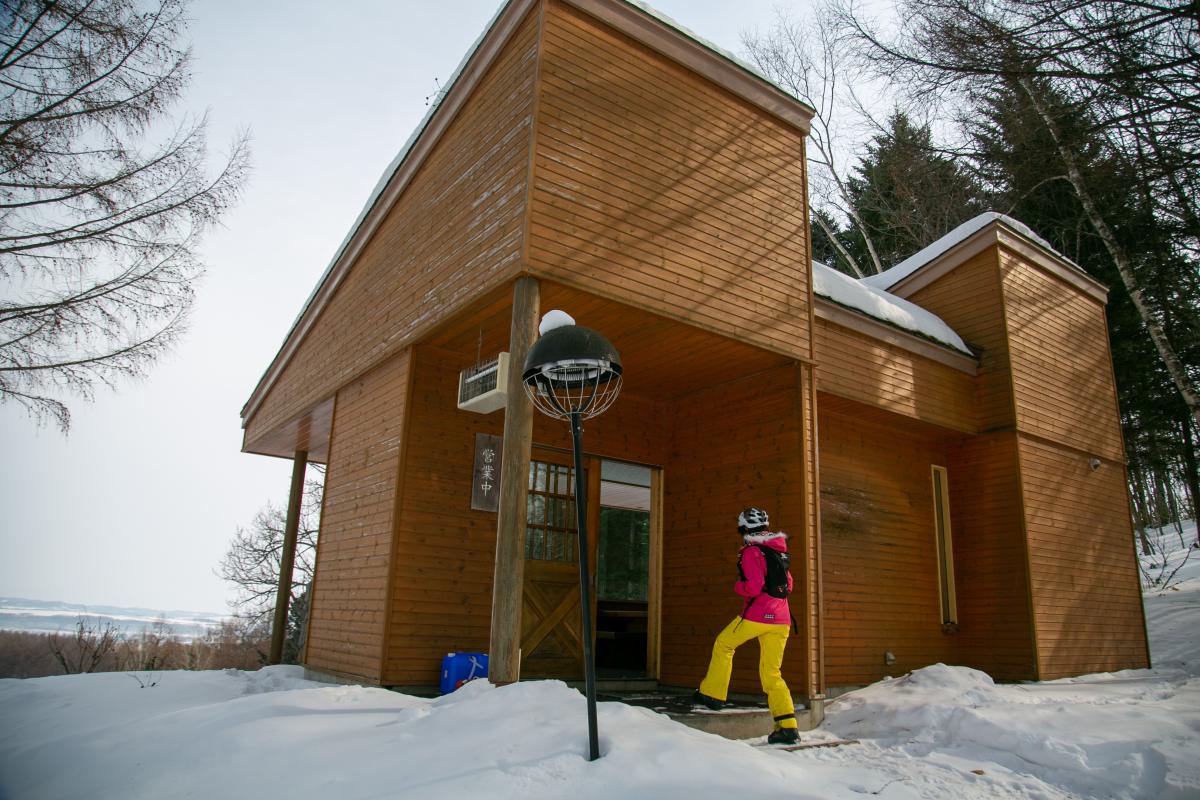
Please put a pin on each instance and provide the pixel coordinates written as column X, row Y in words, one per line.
column 458, row 668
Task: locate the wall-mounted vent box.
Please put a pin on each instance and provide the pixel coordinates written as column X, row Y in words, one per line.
column 483, row 388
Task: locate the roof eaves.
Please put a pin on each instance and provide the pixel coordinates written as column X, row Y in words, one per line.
column 886, row 331
column 684, row 46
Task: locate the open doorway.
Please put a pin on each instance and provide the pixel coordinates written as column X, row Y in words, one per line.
column 623, row 571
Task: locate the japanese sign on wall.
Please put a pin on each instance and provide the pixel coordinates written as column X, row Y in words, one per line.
column 485, row 483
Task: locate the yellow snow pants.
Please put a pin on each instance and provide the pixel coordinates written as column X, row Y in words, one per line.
column 771, row 641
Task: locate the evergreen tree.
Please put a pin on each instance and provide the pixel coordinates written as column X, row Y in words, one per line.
column 908, row 193
column 297, row 628
column 1129, row 71
column 1020, row 162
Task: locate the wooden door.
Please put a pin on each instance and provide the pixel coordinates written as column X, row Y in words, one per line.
column 551, row 624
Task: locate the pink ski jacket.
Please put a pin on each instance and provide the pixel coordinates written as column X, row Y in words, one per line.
column 761, row 606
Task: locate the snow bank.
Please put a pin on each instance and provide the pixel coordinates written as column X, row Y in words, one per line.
column 889, row 278
column 271, row 734
column 939, row 732
column 844, row 290
column 952, row 733
column 1130, row 734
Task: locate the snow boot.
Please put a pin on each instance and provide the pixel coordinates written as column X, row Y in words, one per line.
column 711, row 703
column 784, row 736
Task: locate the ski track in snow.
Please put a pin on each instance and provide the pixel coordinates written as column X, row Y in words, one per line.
column 940, row 732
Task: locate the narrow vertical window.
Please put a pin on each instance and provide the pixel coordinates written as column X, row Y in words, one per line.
column 945, row 549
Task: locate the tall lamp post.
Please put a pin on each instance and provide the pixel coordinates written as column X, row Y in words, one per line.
column 573, row 373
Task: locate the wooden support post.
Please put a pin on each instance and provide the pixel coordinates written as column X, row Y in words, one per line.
column 287, row 559
column 814, row 601
column 504, row 656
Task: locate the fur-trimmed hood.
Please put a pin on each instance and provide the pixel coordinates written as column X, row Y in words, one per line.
column 764, row 537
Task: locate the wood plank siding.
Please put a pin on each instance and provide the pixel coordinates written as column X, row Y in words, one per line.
column 455, row 232
column 995, row 623
column 445, row 551
column 1045, row 389
column 990, row 550
column 807, row 550
column 969, row 300
column 1085, row 588
column 1087, row 597
column 864, row 369
column 879, row 550
column 669, row 211
column 728, row 448
column 345, row 630
column 1062, row 369
column 657, row 188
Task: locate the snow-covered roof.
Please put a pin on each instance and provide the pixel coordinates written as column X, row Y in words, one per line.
column 876, row 303
column 893, row 276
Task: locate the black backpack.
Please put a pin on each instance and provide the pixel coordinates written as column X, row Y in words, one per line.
column 776, row 583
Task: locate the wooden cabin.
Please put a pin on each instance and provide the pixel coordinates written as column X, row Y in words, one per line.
column 959, row 503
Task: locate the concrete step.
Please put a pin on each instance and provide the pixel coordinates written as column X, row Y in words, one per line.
column 741, row 723
column 744, row 717
column 617, row 685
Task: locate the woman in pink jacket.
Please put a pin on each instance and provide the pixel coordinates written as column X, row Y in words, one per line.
column 765, row 585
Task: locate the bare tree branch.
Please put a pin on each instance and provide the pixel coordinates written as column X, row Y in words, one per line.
column 86, row 649
column 252, row 561
column 99, row 231
column 808, row 59
column 1130, row 68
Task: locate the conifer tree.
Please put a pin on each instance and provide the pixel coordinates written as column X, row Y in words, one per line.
column 908, row 193
column 1020, row 163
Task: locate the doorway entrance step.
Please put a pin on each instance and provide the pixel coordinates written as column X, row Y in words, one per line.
column 744, row 716
column 618, row 687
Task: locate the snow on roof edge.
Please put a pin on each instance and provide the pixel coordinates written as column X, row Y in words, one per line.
column 880, row 305
column 889, row 278
column 716, row 48
column 390, row 172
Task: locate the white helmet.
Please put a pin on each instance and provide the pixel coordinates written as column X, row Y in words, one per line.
column 752, row 520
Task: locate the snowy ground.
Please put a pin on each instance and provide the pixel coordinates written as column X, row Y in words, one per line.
column 940, row 732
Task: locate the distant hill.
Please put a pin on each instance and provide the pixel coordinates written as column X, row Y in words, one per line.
column 48, row 616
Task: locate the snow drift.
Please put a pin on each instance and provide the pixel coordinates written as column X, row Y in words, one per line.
column 890, row 277
column 269, row 734
column 939, row 732
column 1128, row 734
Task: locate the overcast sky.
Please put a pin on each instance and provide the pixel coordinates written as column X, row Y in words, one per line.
column 137, row 505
